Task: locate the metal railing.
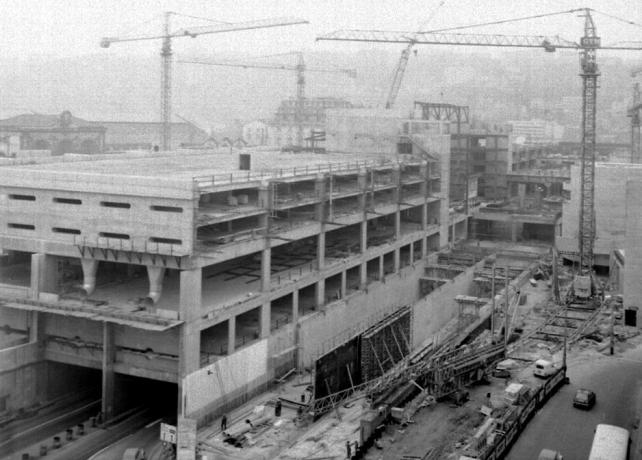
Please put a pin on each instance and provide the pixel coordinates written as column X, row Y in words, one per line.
column 247, row 176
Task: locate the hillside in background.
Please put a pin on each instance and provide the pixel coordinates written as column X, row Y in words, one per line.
column 497, row 86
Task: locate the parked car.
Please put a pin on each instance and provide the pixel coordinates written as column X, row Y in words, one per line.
column 584, row 399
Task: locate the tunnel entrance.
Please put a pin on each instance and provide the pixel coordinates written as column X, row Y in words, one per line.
column 160, row 398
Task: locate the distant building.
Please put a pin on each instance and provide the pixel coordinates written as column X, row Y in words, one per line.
column 66, row 133
column 59, row 134
column 281, row 130
column 536, row 131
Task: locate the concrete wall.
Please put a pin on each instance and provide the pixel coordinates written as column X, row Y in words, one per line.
column 632, row 285
column 225, row 379
column 435, row 310
column 341, row 320
column 95, row 216
column 610, row 208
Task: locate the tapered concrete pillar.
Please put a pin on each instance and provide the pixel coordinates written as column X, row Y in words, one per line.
column 363, row 275
column 411, row 257
column 231, row 335
column 381, row 271
column 89, row 270
column 108, row 375
column 266, row 319
column 424, row 247
column 265, row 196
column 155, row 276
column 266, row 268
column 344, row 283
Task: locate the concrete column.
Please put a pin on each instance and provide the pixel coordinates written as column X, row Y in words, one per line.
column 363, row 275
column 381, row 267
column 398, row 224
column 363, row 246
column 320, row 291
column 397, row 259
column 89, row 269
column 265, row 196
column 265, row 320
column 344, row 283
column 266, row 267
column 424, row 216
column 513, row 231
column 156, row 275
column 44, row 275
column 108, row 376
column 424, row 170
column 521, row 192
column 231, row 335
column 321, row 249
column 412, row 252
column 189, row 346
column 295, row 306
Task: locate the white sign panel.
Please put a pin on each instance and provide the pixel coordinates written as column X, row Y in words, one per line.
column 168, row 433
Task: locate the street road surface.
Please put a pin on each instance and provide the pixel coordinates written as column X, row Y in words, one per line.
column 617, row 382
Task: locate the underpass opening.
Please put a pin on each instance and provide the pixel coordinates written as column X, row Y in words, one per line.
column 158, row 397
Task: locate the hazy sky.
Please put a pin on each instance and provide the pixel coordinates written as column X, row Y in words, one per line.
column 74, row 27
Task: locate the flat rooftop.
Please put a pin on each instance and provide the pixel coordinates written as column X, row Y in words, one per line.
column 186, row 165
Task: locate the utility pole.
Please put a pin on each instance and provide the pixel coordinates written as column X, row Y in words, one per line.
column 506, row 311
column 492, row 313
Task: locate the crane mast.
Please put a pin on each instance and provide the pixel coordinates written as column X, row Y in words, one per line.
column 634, row 113
column 166, row 87
column 300, row 99
column 589, row 73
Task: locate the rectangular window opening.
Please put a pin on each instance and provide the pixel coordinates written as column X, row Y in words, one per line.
column 22, row 197
column 166, row 208
column 22, row 226
column 120, row 236
column 115, row 204
column 67, row 200
column 70, row 231
column 165, row 240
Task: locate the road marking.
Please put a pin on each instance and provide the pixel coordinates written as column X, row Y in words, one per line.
column 151, row 424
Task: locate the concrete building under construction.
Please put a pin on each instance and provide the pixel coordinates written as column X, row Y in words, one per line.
column 202, row 277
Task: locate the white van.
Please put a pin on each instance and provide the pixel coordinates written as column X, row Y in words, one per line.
column 547, row 454
column 544, row 368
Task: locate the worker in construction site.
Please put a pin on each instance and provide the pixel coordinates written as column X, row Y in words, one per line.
column 224, row 422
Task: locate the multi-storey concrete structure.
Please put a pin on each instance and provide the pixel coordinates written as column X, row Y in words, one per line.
column 201, row 280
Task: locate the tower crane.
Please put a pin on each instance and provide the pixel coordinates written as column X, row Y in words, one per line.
column 402, row 64
column 634, row 113
column 587, row 47
column 299, row 69
column 166, row 55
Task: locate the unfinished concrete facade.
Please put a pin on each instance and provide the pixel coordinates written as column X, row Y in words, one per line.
column 610, row 211
column 167, row 269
